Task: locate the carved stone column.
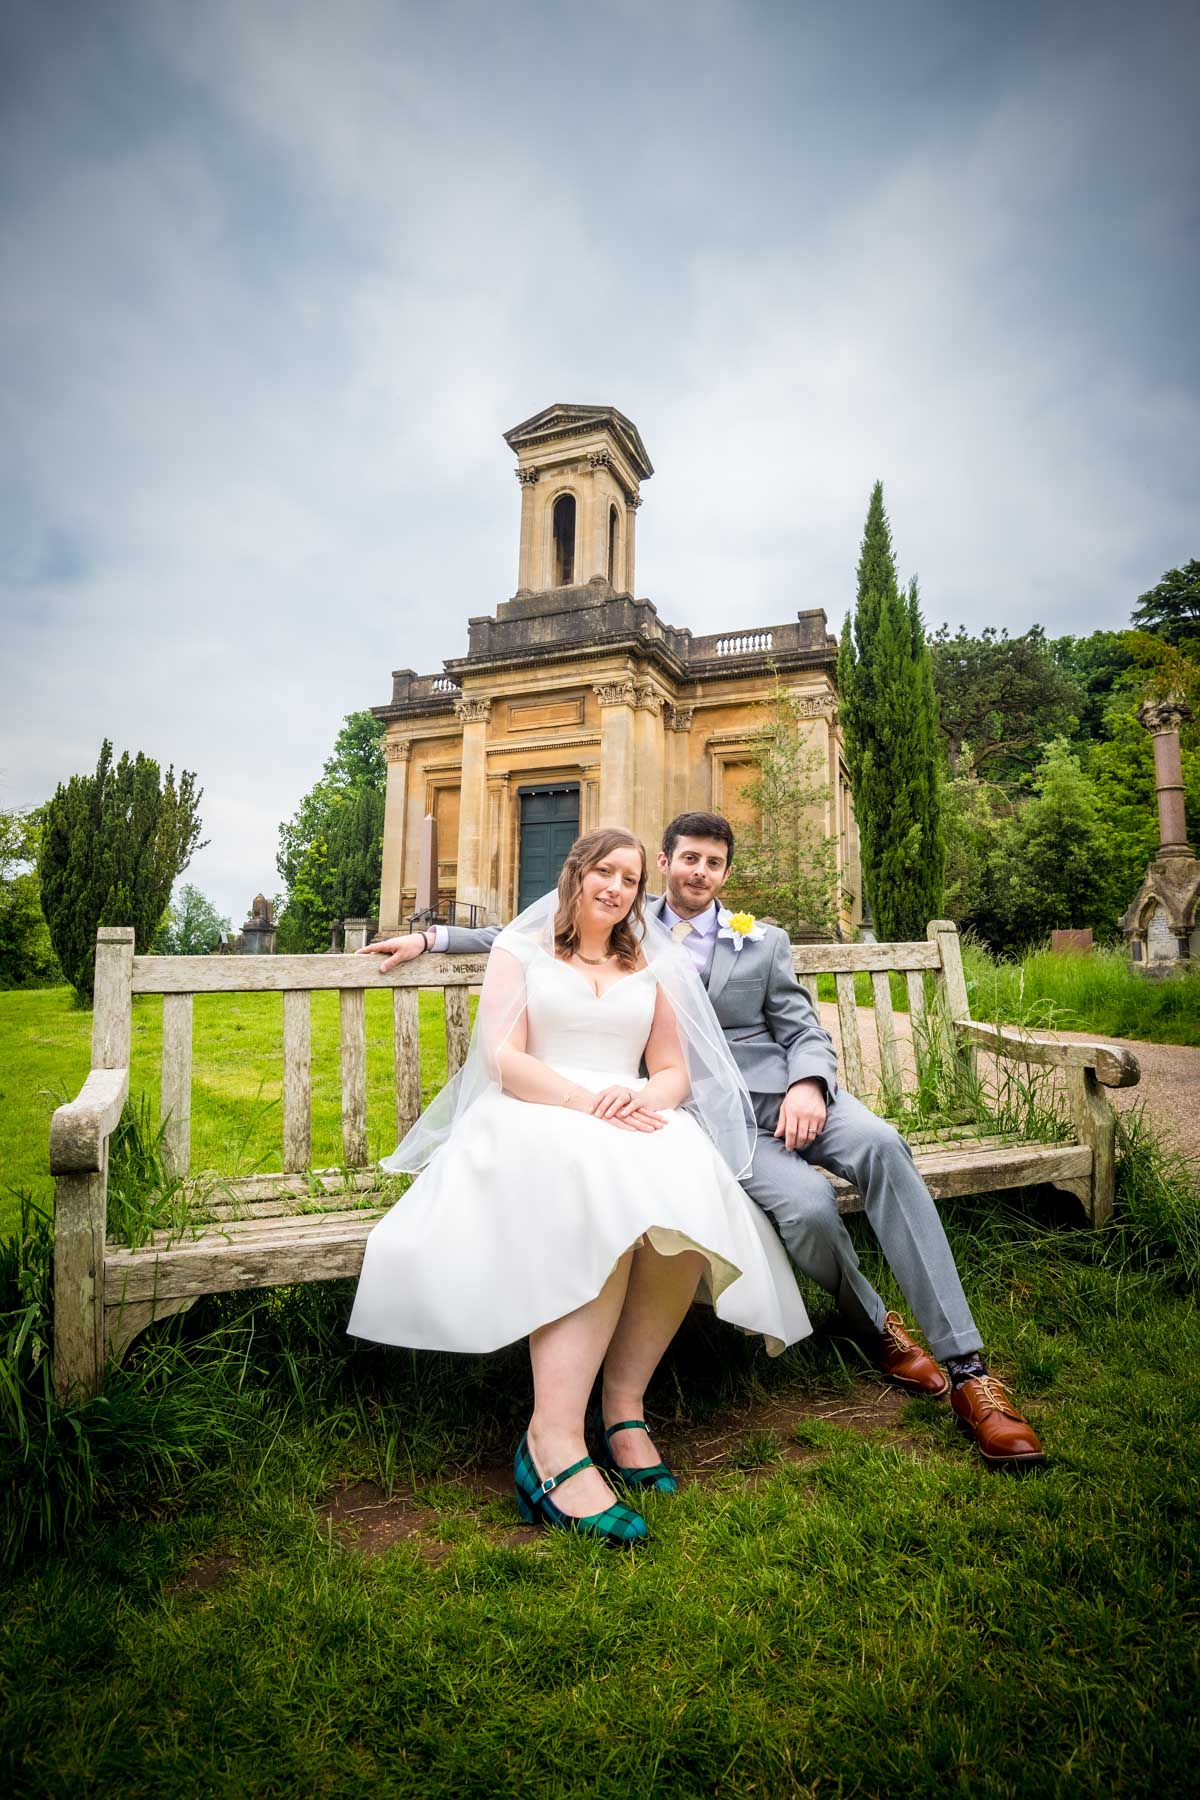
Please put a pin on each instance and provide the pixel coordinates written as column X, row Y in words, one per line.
column 632, row 502
column 529, row 571
column 649, row 782
column 472, row 801
column 617, row 702
column 1163, row 718
column 395, row 828
column 599, row 461
column 677, row 722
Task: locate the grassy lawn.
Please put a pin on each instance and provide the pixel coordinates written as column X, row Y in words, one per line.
column 237, row 1120
column 841, row 1600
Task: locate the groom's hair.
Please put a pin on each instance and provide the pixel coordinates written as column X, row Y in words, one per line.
column 699, row 825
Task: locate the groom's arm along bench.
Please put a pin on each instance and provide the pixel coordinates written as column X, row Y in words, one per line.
column 304, row 1225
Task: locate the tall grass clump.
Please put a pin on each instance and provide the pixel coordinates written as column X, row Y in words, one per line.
column 1100, row 992
column 59, row 1464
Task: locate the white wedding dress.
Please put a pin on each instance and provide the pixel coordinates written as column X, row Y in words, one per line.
column 522, row 1214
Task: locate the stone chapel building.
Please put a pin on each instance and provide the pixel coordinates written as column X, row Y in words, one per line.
column 576, row 705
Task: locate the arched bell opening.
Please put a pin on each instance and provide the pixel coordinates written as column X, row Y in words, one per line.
column 564, row 540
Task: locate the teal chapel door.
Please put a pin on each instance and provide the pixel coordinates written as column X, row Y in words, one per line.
column 549, row 826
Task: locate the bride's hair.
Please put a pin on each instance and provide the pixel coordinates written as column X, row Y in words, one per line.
column 584, row 854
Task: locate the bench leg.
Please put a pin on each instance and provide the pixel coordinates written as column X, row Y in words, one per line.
column 1096, row 1123
column 79, row 1217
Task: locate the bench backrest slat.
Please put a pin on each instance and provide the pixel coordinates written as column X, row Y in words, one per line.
column 354, row 1076
column 271, row 974
column 849, row 959
column 406, row 1032
column 852, row 1063
column 297, row 1081
column 175, row 1105
column 458, row 1029
column 885, row 1031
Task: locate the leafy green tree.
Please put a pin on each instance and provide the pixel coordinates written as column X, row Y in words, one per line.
column 1005, row 697
column 1121, row 767
column 889, row 717
column 1055, row 865
column 26, row 955
column 357, row 761
column 113, row 845
column 1171, row 609
column 331, row 851
column 1096, row 665
column 976, row 815
column 191, row 926
column 786, row 865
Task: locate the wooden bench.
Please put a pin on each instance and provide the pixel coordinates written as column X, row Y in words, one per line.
column 301, row 1225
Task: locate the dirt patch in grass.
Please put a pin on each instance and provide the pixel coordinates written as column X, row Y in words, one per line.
column 365, row 1518
column 210, row 1573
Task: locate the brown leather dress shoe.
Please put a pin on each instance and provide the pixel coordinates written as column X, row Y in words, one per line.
column 904, row 1362
column 984, row 1407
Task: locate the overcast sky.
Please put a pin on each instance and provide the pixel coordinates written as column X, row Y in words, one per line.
column 276, row 277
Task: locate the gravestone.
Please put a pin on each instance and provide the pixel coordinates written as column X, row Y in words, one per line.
column 1071, row 943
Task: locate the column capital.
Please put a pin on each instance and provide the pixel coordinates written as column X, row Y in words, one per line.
column 1167, row 714
column 527, row 477
column 633, row 501
column 397, row 750
column 599, row 459
column 615, row 693
column 648, row 698
column 471, row 711
column 678, row 718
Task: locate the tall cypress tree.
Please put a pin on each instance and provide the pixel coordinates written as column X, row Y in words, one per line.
column 889, row 719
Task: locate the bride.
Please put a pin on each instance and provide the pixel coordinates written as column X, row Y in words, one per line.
column 569, row 1199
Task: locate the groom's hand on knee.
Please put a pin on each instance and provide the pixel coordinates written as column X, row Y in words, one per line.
column 802, row 1114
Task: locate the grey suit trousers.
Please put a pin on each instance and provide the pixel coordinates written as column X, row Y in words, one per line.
column 864, row 1149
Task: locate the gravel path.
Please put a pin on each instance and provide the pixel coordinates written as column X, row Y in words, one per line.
column 1169, row 1088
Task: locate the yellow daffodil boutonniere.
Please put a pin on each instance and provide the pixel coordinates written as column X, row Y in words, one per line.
column 738, row 926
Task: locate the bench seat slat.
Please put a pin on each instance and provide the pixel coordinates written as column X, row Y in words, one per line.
column 216, row 1265
column 329, row 1246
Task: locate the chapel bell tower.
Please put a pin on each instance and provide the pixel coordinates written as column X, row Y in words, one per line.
column 580, row 470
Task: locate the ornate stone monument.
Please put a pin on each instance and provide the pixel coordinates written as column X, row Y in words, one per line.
column 258, row 933
column 1161, row 924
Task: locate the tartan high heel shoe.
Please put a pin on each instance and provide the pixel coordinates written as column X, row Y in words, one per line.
column 618, row 1525
column 656, row 1479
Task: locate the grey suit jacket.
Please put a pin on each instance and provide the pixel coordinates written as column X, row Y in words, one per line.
column 768, row 1020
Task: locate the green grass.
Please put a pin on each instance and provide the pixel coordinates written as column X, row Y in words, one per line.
column 237, row 1123
column 881, row 1616
column 1101, row 992
column 830, row 1613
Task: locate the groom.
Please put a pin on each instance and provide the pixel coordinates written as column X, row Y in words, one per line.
column 807, row 1124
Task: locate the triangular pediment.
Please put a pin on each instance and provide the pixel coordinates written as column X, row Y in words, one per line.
column 562, row 421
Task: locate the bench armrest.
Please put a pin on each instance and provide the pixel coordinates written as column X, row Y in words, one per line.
column 1114, row 1066
column 79, row 1130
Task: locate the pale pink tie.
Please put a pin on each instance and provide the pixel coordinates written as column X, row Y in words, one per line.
column 684, row 929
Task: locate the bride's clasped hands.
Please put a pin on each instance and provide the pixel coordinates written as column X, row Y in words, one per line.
column 567, row 1198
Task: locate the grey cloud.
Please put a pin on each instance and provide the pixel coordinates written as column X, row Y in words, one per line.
column 278, row 276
